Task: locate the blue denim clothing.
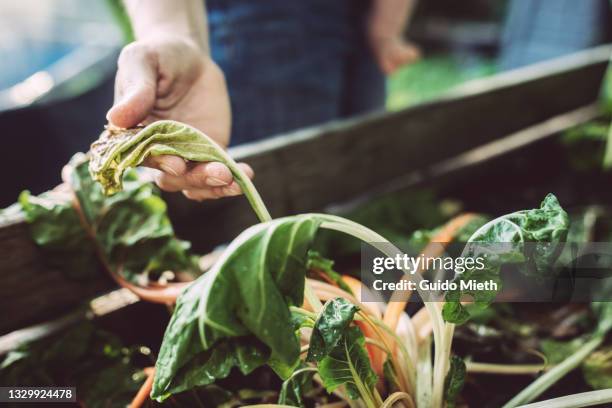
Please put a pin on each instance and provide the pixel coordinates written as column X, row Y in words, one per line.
column 537, row 30
column 293, row 63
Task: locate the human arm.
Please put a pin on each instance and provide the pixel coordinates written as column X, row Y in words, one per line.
column 386, row 26
column 167, row 73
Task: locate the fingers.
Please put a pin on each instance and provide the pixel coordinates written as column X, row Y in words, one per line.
column 135, row 86
column 404, row 53
column 170, row 165
column 393, row 54
column 198, row 181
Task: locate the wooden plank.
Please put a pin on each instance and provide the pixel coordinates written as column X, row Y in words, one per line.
column 29, row 291
column 311, row 169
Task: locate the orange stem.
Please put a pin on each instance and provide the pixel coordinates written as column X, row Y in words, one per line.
column 145, row 389
column 162, row 294
column 436, row 246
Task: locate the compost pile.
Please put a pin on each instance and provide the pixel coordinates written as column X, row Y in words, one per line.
column 276, row 321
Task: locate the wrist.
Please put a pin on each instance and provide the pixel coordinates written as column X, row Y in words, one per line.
column 165, row 34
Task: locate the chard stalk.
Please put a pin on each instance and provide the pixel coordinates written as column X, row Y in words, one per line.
column 536, row 388
column 583, row 399
column 424, row 384
column 440, row 329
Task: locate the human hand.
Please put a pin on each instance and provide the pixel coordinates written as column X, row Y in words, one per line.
column 386, row 25
column 392, row 53
column 172, row 78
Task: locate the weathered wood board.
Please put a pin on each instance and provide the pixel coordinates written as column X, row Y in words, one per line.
column 311, row 169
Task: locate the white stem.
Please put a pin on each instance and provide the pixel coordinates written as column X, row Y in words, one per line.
column 584, row 399
column 441, row 331
column 424, row 379
column 505, row 369
column 536, row 388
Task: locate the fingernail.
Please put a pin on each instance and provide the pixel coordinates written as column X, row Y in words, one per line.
column 167, row 169
column 215, row 182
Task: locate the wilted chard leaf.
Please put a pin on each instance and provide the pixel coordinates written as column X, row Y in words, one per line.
column 131, row 228
column 116, row 150
column 242, row 301
column 55, row 227
column 507, row 235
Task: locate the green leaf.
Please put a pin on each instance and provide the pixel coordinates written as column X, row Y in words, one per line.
column 55, row 227
column 390, row 376
column 348, row 364
column 336, row 315
column 394, row 216
column 205, row 368
column 294, row 388
column 546, row 226
column 318, row 262
column 116, row 150
column 557, row 351
column 597, row 369
column 247, row 295
column 131, row 228
column 603, row 309
column 96, row 362
column 453, row 383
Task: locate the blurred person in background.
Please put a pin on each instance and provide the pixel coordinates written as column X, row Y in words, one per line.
column 537, row 30
column 253, row 69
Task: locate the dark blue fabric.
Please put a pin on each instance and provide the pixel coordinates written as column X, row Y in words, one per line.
column 293, row 63
column 537, row 30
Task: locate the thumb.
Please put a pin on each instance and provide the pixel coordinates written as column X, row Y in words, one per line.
column 135, row 87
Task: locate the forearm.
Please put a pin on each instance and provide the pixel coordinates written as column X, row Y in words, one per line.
column 176, row 17
column 389, row 18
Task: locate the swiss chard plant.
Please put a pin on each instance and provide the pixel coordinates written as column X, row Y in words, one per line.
column 257, row 307
column 77, row 226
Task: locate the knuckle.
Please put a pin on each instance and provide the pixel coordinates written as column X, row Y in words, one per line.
column 163, row 183
column 135, row 51
column 191, row 195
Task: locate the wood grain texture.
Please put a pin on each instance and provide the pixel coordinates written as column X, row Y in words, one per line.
column 29, row 291
column 311, row 169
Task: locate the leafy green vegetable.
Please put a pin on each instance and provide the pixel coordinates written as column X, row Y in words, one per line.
column 597, row 369
column 394, row 216
column 132, row 228
column 390, row 376
column 55, row 227
column 348, row 364
column 117, row 150
column 557, row 351
column 336, row 316
column 245, row 295
column 603, row 312
column 94, row 361
column 546, row 225
column 453, row 383
column 318, row 262
column 296, row 386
